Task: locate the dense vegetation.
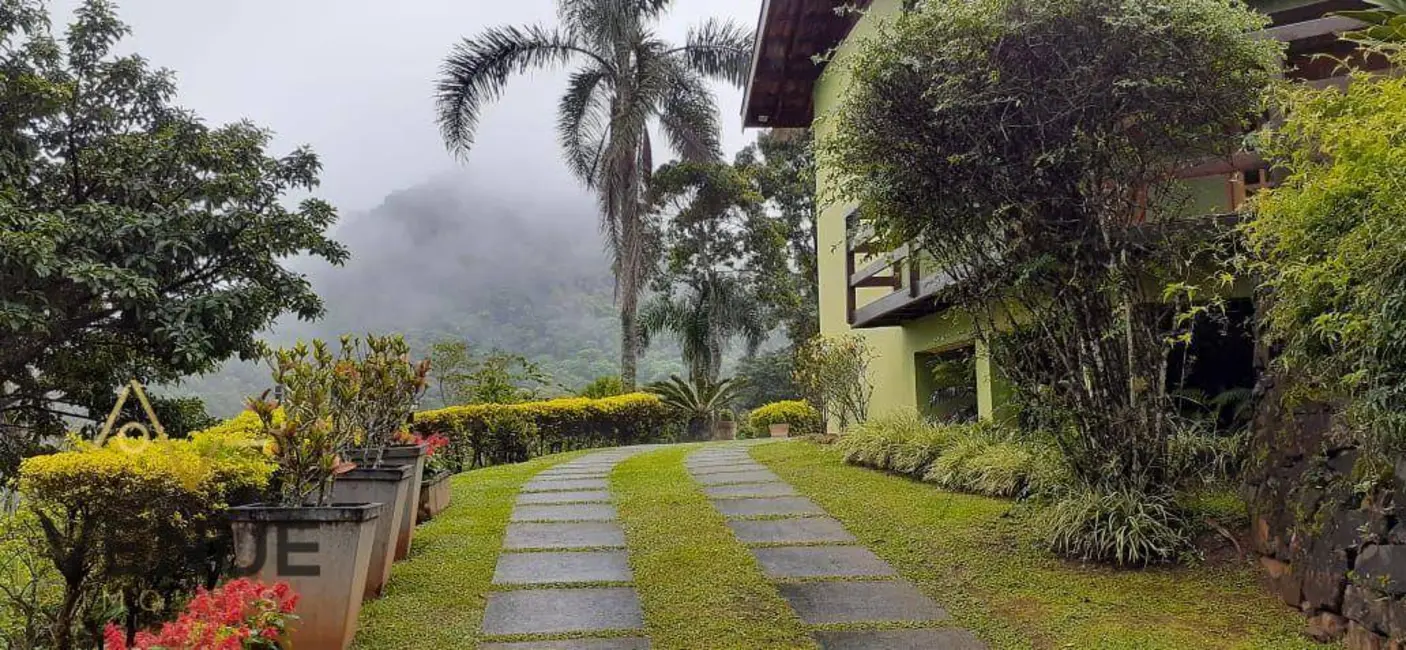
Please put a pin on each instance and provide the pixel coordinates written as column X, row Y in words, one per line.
column 1054, row 215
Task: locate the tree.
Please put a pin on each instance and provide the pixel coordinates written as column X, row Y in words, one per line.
column 714, row 270
column 700, row 403
column 462, row 376
column 1030, row 148
column 627, row 79
column 135, row 240
column 781, row 167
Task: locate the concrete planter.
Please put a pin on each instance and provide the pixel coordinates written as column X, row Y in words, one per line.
column 434, row 496
column 782, row 430
column 725, row 430
column 395, row 457
column 388, row 485
column 322, row 552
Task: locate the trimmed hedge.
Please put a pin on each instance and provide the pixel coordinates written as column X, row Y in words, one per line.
column 135, row 515
column 802, row 417
column 490, row 434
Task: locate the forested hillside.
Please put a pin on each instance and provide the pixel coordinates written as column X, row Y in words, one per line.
column 454, row 260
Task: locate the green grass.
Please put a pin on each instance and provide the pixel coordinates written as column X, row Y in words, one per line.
column 700, row 587
column 435, row 598
column 982, row 565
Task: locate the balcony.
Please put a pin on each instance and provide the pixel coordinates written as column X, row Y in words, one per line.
column 889, row 286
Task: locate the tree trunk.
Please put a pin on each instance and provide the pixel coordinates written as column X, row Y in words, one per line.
column 629, row 339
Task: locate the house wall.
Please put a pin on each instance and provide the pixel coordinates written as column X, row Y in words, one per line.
column 895, row 370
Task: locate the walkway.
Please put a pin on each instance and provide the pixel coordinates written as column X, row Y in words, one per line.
column 564, row 570
column 818, row 567
column 563, row 580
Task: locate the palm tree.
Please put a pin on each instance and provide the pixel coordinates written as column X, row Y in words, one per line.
column 704, row 320
column 625, row 79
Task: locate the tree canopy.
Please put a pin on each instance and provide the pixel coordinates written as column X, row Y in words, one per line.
column 135, row 240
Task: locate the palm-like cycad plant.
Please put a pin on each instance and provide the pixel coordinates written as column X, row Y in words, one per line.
column 699, row 402
column 626, row 79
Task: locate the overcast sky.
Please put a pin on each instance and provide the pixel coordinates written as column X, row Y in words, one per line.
column 354, row 79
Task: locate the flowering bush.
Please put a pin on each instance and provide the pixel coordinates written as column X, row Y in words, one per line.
column 238, row 615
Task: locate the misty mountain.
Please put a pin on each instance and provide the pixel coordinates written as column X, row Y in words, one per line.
column 449, row 259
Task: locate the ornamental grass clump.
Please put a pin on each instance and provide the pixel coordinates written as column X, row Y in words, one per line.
column 1121, row 527
column 1029, row 149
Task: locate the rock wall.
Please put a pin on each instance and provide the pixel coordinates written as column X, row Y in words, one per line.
column 1327, row 549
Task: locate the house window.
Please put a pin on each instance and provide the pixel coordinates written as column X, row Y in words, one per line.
column 947, row 384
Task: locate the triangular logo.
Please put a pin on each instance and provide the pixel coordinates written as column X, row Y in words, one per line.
column 132, row 387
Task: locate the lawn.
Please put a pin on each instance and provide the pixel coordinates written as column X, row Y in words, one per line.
column 978, row 559
column 435, row 598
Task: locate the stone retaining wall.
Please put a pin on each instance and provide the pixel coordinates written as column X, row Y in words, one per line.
column 1336, row 554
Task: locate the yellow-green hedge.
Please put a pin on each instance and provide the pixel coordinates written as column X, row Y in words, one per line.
column 145, row 514
column 496, row 433
column 802, row 417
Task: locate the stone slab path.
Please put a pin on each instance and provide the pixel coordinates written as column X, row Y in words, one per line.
column 564, row 568
column 817, row 565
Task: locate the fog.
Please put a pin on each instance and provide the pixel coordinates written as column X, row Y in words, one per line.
column 501, row 250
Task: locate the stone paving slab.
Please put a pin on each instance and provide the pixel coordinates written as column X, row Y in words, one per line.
column 573, row 472
column 818, row 603
column 761, row 476
column 556, row 611
column 576, row 496
column 568, row 566
column 807, row 530
column 821, row 562
column 538, row 485
column 750, row 490
column 565, row 512
column 768, row 506
column 728, row 469
column 564, row 536
column 943, row 639
column 574, row 644
column 552, row 478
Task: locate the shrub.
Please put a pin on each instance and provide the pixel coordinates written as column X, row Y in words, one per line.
column 1328, row 243
column 802, row 417
column 1119, row 526
column 137, row 515
column 833, row 374
column 485, row 434
column 606, row 386
column 985, row 458
column 241, row 614
column 905, row 438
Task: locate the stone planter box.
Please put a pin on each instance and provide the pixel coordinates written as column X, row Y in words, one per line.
column 399, row 455
column 725, row 430
column 434, row 496
column 321, row 552
column 388, row 485
column 782, row 430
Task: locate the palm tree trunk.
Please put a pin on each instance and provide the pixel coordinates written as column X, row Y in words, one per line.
column 629, row 336
column 630, row 278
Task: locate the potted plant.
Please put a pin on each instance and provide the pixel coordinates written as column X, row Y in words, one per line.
column 390, row 387
column 434, row 490
column 726, row 428
column 780, row 419
column 321, row 548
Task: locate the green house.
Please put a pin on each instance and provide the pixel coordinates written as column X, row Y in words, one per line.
column 927, row 359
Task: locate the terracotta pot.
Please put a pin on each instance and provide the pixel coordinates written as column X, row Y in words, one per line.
column 322, row 552
column 434, row 496
column 782, row 430
column 725, row 430
column 388, row 485
column 395, row 457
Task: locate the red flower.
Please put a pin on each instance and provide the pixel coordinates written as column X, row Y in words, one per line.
column 224, row 619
